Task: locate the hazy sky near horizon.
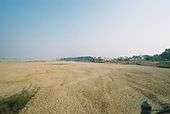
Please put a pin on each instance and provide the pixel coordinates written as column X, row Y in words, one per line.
column 59, row 28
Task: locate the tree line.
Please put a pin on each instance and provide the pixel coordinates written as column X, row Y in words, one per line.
column 164, row 56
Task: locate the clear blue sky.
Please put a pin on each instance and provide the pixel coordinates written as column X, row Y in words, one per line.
column 58, row 28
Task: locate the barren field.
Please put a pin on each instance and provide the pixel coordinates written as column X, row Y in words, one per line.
column 85, row 88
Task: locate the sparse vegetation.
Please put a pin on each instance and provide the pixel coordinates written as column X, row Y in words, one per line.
column 13, row 104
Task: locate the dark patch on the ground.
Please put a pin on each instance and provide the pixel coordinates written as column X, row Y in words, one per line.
column 13, row 104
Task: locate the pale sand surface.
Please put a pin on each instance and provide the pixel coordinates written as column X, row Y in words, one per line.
column 85, row 88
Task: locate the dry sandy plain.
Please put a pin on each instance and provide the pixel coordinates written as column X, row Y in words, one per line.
column 85, row 88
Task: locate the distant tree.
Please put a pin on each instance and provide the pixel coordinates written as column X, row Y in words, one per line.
column 148, row 57
column 165, row 55
column 156, row 58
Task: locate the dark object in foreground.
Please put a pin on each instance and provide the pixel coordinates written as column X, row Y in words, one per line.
column 147, row 109
column 14, row 103
column 165, row 109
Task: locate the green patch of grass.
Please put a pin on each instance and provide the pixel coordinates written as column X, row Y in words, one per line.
column 13, row 104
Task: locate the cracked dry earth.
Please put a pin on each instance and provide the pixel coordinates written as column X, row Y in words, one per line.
column 85, row 88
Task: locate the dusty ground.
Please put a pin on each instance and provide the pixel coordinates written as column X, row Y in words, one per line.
column 85, row 88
